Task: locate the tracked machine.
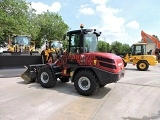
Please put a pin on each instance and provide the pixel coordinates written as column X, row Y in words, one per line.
column 80, row 63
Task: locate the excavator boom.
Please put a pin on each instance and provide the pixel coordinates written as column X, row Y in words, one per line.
column 146, row 36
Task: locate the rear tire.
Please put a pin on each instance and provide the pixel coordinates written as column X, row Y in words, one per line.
column 86, row 83
column 142, row 65
column 46, row 78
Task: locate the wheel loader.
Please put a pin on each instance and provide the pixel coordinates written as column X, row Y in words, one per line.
column 20, row 51
column 51, row 49
column 80, row 63
column 20, row 44
column 139, row 57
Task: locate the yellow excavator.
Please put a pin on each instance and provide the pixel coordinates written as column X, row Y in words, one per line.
column 139, row 57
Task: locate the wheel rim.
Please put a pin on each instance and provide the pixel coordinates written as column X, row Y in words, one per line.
column 142, row 65
column 84, row 83
column 44, row 77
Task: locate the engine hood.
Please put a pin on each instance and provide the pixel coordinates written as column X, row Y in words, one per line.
column 103, row 54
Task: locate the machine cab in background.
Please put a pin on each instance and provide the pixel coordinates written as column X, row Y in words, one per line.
column 138, row 49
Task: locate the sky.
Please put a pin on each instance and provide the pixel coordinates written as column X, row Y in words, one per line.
column 118, row 20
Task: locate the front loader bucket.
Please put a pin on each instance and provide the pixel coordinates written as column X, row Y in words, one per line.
column 30, row 75
column 19, row 61
column 26, row 76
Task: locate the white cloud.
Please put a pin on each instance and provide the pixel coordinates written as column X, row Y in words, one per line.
column 41, row 7
column 84, row 5
column 86, row 11
column 111, row 25
column 133, row 24
column 99, row 2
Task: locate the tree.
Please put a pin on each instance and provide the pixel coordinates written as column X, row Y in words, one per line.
column 117, row 47
column 52, row 27
column 18, row 17
column 13, row 17
column 126, row 49
column 103, row 46
column 33, row 23
column 65, row 44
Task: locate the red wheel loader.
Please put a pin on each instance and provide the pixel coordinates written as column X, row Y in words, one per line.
column 80, row 63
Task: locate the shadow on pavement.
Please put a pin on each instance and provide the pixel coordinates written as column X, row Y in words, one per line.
column 68, row 88
column 135, row 69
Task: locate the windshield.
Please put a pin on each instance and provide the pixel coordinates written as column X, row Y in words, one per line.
column 90, row 42
column 138, row 49
column 22, row 40
column 56, row 44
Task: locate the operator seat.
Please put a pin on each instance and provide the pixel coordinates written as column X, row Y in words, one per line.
column 149, row 53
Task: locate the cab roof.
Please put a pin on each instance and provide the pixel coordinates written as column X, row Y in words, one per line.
column 79, row 31
column 139, row 43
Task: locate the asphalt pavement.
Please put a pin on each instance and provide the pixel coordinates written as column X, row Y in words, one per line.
column 11, row 72
column 134, row 97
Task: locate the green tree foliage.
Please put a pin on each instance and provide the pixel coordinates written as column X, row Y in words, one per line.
column 116, row 47
column 33, row 23
column 65, row 44
column 13, row 17
column 126, row 49
column 18, row 17
column 103, row 46
column 119, row 48
column 52, row 27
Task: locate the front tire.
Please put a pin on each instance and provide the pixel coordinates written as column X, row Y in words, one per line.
column 86, row 83
column 142, row 65
column 46, row 78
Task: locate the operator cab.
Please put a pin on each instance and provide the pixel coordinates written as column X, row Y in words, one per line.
column 83, row 40
column 138, row 49
column 21, row 40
